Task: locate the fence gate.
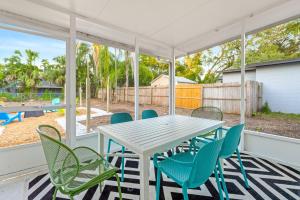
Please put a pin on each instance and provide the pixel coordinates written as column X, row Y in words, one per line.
column 188, row 96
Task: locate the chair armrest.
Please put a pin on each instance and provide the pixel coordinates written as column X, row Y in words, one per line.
column 189, row 164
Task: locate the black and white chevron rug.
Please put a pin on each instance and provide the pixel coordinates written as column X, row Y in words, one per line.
column 267, row 180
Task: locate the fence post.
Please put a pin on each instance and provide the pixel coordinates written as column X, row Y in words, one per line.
column 151, row 95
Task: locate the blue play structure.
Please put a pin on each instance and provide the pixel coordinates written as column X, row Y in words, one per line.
column 8, row 118
column 54, row 102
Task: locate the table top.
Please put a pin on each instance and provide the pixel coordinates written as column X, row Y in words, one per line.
column 149, row 136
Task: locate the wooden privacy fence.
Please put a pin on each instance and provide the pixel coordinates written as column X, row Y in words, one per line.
column 188, row 96
column 225, row 96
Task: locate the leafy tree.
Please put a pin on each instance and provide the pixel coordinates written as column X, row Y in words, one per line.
column 191, row 67
column 26, row 74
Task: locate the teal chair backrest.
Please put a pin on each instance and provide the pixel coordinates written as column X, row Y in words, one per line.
column 204, row 163
column 55, row 101
column 120, row 117
column 146, row 114
column 231, row 140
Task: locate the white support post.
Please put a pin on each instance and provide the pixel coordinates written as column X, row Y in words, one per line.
column 243, row 100
column 172, row 84
column 71, row 85
column 136, row 80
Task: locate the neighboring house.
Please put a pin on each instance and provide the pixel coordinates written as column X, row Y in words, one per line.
column 163, row 80
column 48, row 87
column 280, row 81
column 43, row 87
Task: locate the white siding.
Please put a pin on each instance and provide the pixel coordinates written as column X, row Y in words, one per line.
column 236, row 77
column 281, row 87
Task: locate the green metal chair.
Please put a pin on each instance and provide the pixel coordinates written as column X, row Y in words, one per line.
column 208, row 112
column 74, row 170
column 230, row 145
column 49, row 130
column 146, row 114
column 190, row 170
column 115, row 119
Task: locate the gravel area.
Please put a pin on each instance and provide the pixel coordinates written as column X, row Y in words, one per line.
column 284, row 126
column 24, row 132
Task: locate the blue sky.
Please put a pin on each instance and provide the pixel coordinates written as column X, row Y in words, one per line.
column 48, row 48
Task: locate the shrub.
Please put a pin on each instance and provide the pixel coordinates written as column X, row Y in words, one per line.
column 266, row 108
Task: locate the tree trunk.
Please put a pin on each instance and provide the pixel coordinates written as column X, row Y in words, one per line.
column 127, row 75
column 107, row 95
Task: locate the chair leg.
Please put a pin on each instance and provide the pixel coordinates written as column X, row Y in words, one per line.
column 185, row 193
column 223, row 179
column 108, row 148
column 119, row 187
column 242, row 168
column 123, row 163
column 157, row 184
column 54, row 194
column 100, row 187
column 218, row 184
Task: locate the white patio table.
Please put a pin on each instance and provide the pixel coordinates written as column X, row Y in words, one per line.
column 155, row 135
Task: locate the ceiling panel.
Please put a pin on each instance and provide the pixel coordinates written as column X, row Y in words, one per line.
column 146, row 17
column 211, row 16
column 90, row 8
column 186, row 24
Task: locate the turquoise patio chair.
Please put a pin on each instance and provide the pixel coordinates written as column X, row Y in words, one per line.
column 190, row 170
column 8, row 118
column 115, row 119
column 73, row 171
column 146, row 114
column 230, row 145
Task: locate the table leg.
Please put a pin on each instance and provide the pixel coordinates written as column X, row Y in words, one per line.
column 144, row 170
column 101, row 152
column 101, row 144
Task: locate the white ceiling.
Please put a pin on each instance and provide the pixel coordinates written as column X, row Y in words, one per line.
column 187, row 25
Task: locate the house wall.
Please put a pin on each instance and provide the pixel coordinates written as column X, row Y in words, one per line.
column 236, row 77
column 281, row 87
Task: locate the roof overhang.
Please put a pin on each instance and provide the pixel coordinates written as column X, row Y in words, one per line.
column 159, row 26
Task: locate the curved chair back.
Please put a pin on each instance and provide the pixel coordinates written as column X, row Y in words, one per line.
column 204, row 163
column 50, row 131
column 55, row 101
column 146, row 114
column 231, row 140
column 62, row 163
column 120, row 117
column 208, row 113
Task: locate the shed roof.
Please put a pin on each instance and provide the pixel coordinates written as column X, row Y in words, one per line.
column 158, row 25
column 178, row 79
column 276, row 63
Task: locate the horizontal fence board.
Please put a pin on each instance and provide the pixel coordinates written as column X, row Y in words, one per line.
column 225, row 96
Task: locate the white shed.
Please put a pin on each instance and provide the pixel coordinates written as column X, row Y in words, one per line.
column 280, row 81
column 164, row 80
